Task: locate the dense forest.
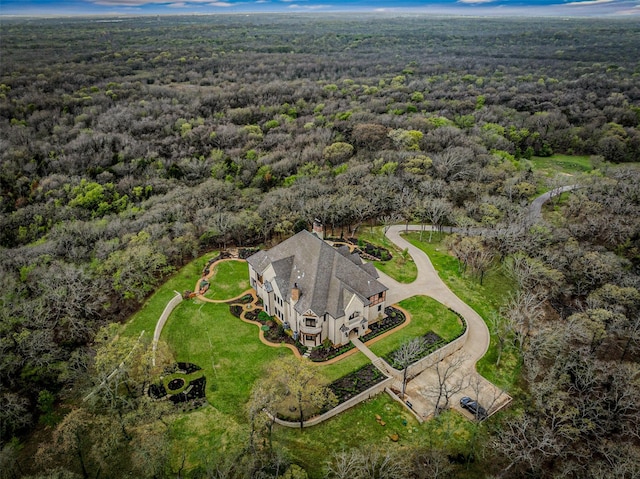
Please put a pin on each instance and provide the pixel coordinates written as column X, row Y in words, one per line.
column 130, row 146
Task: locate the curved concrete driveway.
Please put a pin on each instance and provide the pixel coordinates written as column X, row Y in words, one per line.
column 429, row 283
column 420, row 389
column 535, row 208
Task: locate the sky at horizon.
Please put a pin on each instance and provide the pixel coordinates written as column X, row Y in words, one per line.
column 598, row 8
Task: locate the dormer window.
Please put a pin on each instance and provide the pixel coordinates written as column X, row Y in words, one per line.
column 310, row 322
column 354, row 315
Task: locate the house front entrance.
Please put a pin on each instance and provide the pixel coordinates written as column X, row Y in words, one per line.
column 354, row 333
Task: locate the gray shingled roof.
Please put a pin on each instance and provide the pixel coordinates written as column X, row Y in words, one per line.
column 327, row 277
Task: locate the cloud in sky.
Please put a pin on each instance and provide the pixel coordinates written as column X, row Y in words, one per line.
column 584, row 3
column 476, row 2
column 483, row 7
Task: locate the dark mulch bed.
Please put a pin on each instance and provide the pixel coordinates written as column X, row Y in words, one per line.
column 431, row 342
column 157, row 391
column 197, row 388
column 356, row 382
column 175, row 384
column 196, row 394
column 278, row 335
column 246, row 299
column 197, row 391
column 324, row 354
column 244, row 253
column 275, row 333
column 188, row 368
column 378, row 252
column 236, row 310
column 394, row 317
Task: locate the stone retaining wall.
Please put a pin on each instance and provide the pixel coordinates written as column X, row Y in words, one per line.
column 177, row 299
column 369, row 393
column 419, row 366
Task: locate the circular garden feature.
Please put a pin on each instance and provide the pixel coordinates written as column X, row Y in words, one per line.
column 175, row 384
column 183, row 383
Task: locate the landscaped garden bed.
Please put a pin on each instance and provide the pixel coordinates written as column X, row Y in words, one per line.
column 394, row 317
column 325, row 353
column 244, row 253
column 373, row 251
column 246, row 299
column 157, row 391
column 195, row 390
column 364, row 248
column 356, row 382
column 182, row 383
column 274, row 332
column 431, row 342
column 188, row 368
column 176, row 384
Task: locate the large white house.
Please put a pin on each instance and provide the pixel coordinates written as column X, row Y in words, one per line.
column 317, row 290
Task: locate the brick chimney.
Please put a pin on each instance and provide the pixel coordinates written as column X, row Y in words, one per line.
column 318, row 230
column 295, row 293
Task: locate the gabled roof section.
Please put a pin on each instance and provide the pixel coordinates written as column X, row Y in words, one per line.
column 327, row 277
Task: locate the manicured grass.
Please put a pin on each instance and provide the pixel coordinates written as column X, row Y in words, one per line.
column 554, row 164
column 486, row 300
column 226, row 348
column 147, row 316
column 331, row 372
column 427, row 314
column 354, row 428
column 204, row 433
column 357, row 427
column 403, row 271
column 229, row 279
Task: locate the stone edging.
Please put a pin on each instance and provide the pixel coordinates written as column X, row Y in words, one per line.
column 259, row 325
column 369, row 393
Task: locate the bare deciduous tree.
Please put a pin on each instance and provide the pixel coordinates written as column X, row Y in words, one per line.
column 406, row 355
column 449, row 379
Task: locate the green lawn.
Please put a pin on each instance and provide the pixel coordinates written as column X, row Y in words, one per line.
column 426, row 315
column 568, row 164
column 227, row 348
column 401, row 270
column 229, row 279
column 486, row 300
column 147, row 316
column 356, row 427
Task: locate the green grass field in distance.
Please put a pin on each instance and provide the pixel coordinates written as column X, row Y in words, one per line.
column 569, row 164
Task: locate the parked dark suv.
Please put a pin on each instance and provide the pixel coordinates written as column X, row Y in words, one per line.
column 474, row 408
